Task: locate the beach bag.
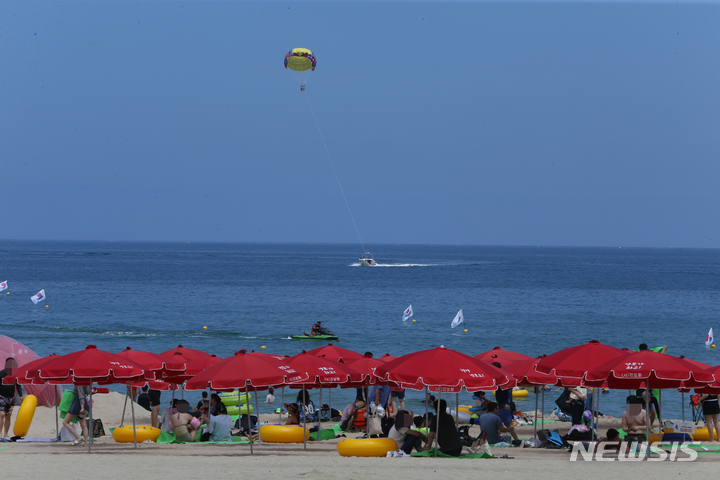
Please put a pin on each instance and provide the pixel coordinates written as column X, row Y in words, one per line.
column 98, row 429
column 550, row 439
column 465, row 437
column 375, row 425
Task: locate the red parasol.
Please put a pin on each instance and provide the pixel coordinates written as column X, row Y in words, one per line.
column 160, row 365
column 256, row 371
column 321, row 371
column 443, row 369
column 647, row 369
column 9, row 347
column 192, row 368
column 525, row 373
column 504, row 357
column 334, row 353
column 188, row 353
column 91, row 365
column 571, row 364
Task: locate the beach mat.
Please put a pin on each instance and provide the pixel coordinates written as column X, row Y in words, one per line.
column 166, row 438
column 431, row 453
column 327, row 433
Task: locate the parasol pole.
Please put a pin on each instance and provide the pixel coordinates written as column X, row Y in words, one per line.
column 537, row 397
column 457, row 405
column 257, row 407
column 282, row 399
column 132, row 409
column 57, row 423
column 330, row 400
column 90, row 426
column 249, row 419
column 304, row 419
column 437, row 421
column 647, row 418
column 426, row 408
column 659, row 417
column 320, row 416
column 122, row 419
column 682, row 396
column 542, row 412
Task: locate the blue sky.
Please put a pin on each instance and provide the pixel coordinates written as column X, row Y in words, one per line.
column 508, row 123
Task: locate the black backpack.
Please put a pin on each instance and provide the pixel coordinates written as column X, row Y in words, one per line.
column 465, row 437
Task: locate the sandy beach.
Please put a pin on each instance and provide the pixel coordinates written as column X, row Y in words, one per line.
column 320, row 461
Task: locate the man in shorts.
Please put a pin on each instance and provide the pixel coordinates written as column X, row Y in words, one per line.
column 155, row 404
column 397, row 394
column 7, row 396
column 634, row 422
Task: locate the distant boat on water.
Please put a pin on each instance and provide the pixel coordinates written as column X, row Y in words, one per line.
column 367, row 260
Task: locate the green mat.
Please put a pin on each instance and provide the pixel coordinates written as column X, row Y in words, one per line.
column 431, row 453
column 166, row 437
column 327, row 433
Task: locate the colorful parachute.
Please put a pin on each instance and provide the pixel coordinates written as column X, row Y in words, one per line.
column 302, row 63
column 300, row 59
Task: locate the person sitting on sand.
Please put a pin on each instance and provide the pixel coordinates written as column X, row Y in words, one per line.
column 492, row 425
column 185, row 426
column 447, row 435
column 406, row 438
column 165, row 420
column 307, row 407
column 633, row 421
column 218, row 426
column 611, row 442
column 293, row 410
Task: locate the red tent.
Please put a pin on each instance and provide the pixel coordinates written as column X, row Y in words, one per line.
column 46, row 394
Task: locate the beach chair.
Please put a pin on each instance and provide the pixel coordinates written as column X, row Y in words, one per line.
column 696, row 409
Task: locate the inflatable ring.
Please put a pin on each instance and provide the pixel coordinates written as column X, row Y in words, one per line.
column 231, row 398
column 25, row 416
column 283, row 433
column 143, row 432
column 520, row 392
column 702, row 434
column 234, row 410
column 366, row 447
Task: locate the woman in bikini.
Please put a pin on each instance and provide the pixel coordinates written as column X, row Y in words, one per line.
column 185, row 425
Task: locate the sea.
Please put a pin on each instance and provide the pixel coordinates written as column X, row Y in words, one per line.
column 534, row 300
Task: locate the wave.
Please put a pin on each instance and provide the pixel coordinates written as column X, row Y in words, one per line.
column 401, row 264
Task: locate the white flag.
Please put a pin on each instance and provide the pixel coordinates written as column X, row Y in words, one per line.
column 407, row 314
column 457, row 320
column 38, row 297
column 3, row 286
column 709, row 340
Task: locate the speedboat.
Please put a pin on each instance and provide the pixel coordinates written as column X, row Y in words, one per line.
column 367, row 260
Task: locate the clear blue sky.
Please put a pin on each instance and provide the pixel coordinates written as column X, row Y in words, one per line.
column 507, row 123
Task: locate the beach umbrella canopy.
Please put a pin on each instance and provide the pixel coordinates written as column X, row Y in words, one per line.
column 647, row 369
column 91, row 365
column 504, row 357
column 334, row 353
column 525, row 373
column 9, row 347
column 249, row 371
column 160, row 365
column 188, row 353
column 321, row 371
column 571, row 364
column 442, row 369
column 192, row 368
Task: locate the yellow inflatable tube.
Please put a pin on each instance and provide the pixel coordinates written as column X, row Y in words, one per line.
column 234, row 410
column 518, row 392
column 143, row 432
column 25, row 416
column 284, row 433
column 703, row 434
column 366, row 447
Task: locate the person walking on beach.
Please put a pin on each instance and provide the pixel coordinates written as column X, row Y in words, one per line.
column 78, row 408
column 7, row 396
column 710, row 410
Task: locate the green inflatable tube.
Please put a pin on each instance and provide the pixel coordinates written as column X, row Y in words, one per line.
column 241, row 411
column 231, row 398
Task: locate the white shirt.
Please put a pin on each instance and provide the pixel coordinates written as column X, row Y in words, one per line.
column 582, row 390
column 398, row 435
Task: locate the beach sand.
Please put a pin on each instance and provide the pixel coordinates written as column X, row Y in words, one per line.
column 320, row 461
